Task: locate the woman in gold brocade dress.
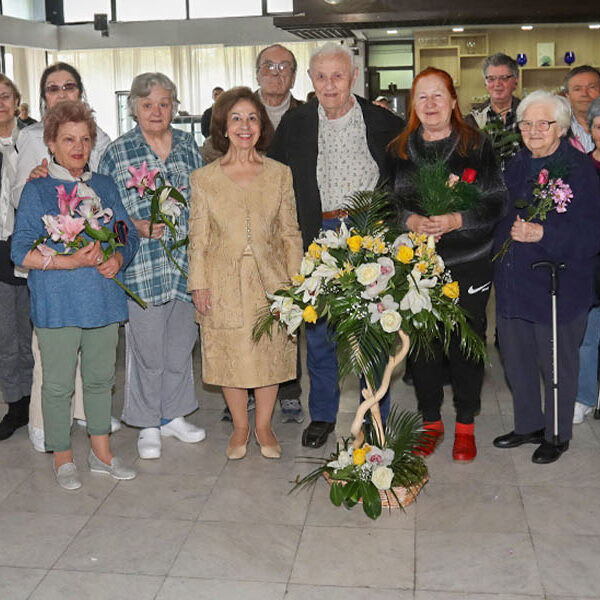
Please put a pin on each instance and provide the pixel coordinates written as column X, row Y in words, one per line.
column 244, row 242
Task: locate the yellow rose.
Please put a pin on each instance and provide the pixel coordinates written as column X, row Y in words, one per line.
column 359, row 456
column 354, row 243
column 314, row 251
column 298, row 279
column 405, row 254
column 451, row 290
column 309, row 314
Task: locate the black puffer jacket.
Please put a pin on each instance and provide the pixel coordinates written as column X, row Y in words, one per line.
column 473, row 240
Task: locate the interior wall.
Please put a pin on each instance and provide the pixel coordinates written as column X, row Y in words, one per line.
column 241, row 31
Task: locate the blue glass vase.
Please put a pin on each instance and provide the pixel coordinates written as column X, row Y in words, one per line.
column 569, row 57
column 521, row 59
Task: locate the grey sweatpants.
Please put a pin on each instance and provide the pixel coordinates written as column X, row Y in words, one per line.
column 16, row 362
column 159, row 382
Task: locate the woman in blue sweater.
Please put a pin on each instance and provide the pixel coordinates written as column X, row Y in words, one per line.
column 74, row 304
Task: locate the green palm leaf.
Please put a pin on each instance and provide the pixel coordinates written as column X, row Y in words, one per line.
column 369, row 211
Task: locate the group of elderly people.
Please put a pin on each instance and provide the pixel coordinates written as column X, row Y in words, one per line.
column 282, row 172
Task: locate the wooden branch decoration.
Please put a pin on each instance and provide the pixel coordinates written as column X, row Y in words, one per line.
column 371, row 400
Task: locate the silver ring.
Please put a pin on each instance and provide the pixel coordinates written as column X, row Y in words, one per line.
column 98, row 260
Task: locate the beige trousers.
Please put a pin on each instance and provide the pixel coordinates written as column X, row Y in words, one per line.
column 36, row 418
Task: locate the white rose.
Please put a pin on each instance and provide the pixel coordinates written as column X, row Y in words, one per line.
column 368, row 273
column 382, row 478
column 390, row 321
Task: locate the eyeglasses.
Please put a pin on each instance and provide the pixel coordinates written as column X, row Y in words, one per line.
column 494, row 78
column 539, row 125
column 271, row 68
column 66, row 87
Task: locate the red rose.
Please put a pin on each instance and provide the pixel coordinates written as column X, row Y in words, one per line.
column 543, row 177
column 468, row 175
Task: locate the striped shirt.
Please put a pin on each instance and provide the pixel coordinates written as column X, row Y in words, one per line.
column 151, row 274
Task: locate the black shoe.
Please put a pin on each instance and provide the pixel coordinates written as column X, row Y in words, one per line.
column 17, row 416
column 512, row 439
column 407, row 378
column 315, row 435
column 548, row 452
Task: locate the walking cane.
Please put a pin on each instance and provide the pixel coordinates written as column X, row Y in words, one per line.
column 597, row 410
column 554, row 269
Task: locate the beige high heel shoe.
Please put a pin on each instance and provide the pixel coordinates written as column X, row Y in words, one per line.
column 268, row 451
column 238, row 452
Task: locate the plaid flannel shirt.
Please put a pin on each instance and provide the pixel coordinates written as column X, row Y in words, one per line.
column 151, row 274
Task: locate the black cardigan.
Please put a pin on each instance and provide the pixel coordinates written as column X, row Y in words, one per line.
column 474, row 239
column 296, row 145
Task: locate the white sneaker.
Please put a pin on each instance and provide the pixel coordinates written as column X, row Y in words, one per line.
column 581, row 410
column 148, row 444
column 182, row 430
column 36, row 437
column 115, row 424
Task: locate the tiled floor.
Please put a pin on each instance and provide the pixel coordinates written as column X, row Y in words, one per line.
column 194, row 526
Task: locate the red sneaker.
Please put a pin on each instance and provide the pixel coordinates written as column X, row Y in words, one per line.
column 464, row 447
column 431, row 438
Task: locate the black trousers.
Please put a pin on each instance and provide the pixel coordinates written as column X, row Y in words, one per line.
column 526, row 350
column 429, row 370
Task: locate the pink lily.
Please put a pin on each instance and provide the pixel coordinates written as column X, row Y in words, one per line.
column 70, row 227
column 142, row 178
column 67, row 203
column 47, row 254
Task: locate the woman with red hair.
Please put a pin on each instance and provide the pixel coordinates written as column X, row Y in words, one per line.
column 437, row 134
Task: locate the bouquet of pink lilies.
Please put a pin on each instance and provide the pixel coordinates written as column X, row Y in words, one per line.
column 77, row 215
column 166, row 202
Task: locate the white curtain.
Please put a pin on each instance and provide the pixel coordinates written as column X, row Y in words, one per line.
column 27, row 67
column 194, row 69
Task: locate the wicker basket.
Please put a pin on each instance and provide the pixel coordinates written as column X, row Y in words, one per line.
column 405, row 495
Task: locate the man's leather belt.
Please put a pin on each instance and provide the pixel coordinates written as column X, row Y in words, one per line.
column 335, row 214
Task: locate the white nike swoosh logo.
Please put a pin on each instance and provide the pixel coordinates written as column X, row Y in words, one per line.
column 482, row 288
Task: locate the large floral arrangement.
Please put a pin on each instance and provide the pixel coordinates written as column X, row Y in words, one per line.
column 77, row 215
column 166, row 202
column 369, row 281
column 374, row 286
column 550, row 192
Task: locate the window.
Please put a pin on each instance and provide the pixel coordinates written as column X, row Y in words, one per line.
column 81, row 11
column 280, row 6
column 204, row 9
column 32, row 10
column 150, row 10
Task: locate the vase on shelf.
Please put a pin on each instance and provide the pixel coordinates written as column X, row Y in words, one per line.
column 569, row 57
column 521, row 59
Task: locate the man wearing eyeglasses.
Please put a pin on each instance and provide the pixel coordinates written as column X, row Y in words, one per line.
column 582, row 85
column 276, row 73
column 497, row 115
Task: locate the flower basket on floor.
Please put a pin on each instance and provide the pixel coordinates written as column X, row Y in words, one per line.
column 380, row 292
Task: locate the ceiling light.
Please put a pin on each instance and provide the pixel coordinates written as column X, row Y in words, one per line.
column 594, row 26
column 526, row 27
column 392, row 31
column 458, row 29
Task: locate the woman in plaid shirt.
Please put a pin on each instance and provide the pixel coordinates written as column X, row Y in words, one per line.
column 159, row 384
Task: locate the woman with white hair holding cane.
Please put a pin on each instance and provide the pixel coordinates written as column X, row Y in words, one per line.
column 552, row 222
